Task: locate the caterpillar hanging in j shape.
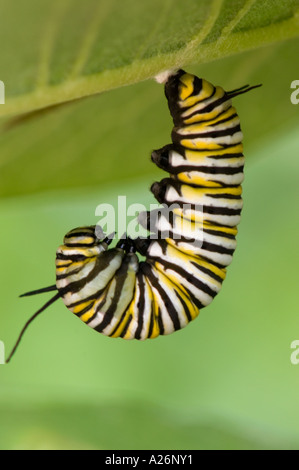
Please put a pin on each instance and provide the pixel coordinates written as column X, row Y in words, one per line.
column 195, row 231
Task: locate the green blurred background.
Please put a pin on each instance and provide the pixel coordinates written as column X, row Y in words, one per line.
column 224, row 382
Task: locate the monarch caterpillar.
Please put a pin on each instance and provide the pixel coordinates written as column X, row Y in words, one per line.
column 185, row 264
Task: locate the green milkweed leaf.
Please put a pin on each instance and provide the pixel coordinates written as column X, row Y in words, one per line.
column 56, row 56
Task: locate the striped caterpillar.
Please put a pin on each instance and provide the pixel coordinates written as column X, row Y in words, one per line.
column 115, row 293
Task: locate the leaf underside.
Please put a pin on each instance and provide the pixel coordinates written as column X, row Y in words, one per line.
column 68, row 49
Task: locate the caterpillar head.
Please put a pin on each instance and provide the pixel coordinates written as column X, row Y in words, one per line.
column 78, row 255
column 85, row 269
column 83, row 251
